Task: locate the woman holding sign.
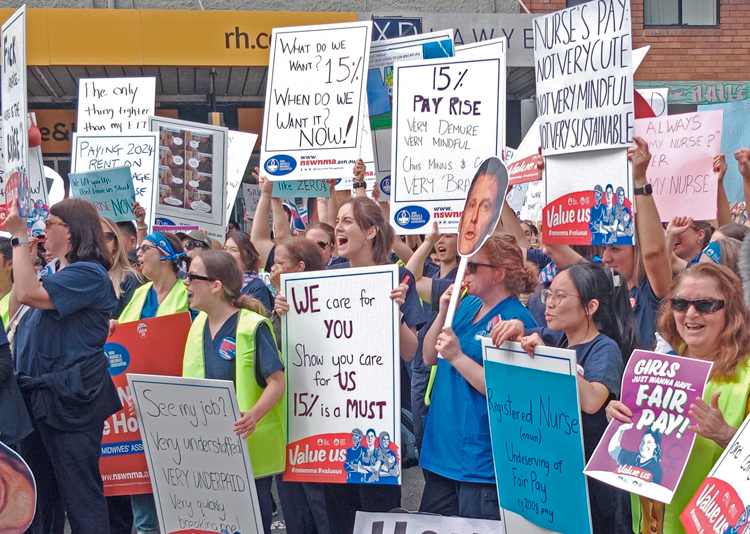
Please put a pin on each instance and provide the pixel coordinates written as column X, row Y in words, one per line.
column 61, row 367
column 456, row 452
column 231, row 339
column 705, row 317
column 161, row 257
column 588, row 310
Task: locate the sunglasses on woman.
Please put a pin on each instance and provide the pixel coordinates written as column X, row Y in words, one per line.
column 192, row 277
column 472, row 267
column 680, row 304
column 190, row 245
column 324, row 244
column 109, row 236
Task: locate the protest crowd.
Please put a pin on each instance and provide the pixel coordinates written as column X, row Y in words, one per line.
column 650, row 311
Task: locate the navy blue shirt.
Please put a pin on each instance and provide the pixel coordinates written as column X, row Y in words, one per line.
column 219, row 353
column 76, row 330
column 257, row 288
column 602, row 362
column 645, row 308
column 538, row 258
column 414, row 314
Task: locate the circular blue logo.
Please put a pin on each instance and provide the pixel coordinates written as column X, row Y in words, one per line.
column 118, row 356
column 280, row 165
column 163, row 221
column 228, row 349
column 385, row 185
column 412, row 217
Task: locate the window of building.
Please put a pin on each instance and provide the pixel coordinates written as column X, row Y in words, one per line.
column 680, row 13
column 572, row 3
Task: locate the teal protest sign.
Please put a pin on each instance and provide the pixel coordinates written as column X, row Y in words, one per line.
column 301, row 189
column 735, row 134
column 110, row 190
column 537, row 446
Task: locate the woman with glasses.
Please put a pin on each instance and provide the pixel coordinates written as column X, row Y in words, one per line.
column 456, row 454
column 162, row 259
column 61, row 367
column 325, row 237
column 124, row 278
column 239, row 246
column 588, row 310
column 231, row 339
column 704, row 316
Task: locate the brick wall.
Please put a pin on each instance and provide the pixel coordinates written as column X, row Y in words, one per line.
column 687, row 54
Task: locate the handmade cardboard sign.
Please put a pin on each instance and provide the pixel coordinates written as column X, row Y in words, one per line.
column 315, row 100
column 380, row 88
column 239, row 149
column 537, row 442
column 192, row 175
column 129, row 350
column 648, row 456
column 340, row 340
column 584, row 77
column 110, row 190
column 115, row 105
column 106, row 151
column 735, row 134
column 681, row 173
column 202, row 476
column 447, row 120
column 251, row 196
column 13, row 95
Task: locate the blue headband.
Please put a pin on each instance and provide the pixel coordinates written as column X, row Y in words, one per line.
column 713, row 251
column 158, row 239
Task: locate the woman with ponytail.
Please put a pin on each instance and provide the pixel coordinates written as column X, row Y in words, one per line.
column 456, row 455
column 161, row 257
column 588, row 310
column 231, row 339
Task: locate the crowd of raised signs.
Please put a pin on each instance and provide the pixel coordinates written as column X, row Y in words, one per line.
column 678, row 290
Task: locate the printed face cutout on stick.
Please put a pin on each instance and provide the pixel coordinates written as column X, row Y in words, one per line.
column 483, row 206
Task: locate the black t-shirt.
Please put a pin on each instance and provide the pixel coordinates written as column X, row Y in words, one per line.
column 127, row 288
column 645, row 308
column 219, row 353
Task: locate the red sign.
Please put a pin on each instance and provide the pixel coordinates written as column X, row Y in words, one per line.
column 523, row 170
column 716, row 507
column 151, row 346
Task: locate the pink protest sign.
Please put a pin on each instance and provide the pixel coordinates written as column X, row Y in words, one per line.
column 648, row 456
column 682, row 170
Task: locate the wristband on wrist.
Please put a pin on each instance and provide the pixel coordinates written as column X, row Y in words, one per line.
column 359, row 184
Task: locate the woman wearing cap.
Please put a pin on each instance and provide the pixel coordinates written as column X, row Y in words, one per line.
column 231, row 339
column 161, row 257
column 196, row 243
column 61, row 367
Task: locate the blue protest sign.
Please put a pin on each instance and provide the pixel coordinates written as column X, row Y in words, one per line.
column 735, row 134
column 537, row 446
column 110, row 190
column 301, row 189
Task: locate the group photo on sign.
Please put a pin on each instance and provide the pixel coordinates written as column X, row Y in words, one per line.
column 424, row 283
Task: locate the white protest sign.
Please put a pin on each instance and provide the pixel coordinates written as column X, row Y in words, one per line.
column 14, row 107
column 251, row 196
column 722, row 502
column 200, row 469
column 657, row 99
column 489, row 49
column 115, row 105
column 315, row 100
column 137, row 151
column 447, row 119
column 192, row 175
column 382, row 523
column 340, row 340
column 383, row 54
column 522, row 166
column 239, row 149
column 534, row 202
column 584, row 78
